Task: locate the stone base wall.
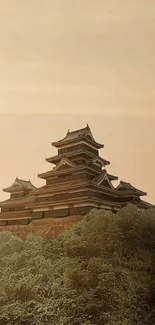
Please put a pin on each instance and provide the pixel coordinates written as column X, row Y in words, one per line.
column 61, row 212
column 15, row 215
column 47, row 227
column 13, row 222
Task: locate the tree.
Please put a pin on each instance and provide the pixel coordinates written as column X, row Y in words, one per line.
column 100, row 272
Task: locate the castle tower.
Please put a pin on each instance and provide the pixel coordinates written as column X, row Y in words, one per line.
column 20, row 195
column 78, row 181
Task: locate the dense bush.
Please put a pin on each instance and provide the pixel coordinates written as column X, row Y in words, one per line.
column 101, row 272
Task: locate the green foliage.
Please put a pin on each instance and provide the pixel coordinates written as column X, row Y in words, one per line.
column 101, row 272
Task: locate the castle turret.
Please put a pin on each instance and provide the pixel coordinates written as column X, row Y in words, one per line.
column 20, row 192
column 78, row 181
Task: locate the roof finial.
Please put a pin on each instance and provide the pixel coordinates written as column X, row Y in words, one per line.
column 68, row 131
column 87, row 125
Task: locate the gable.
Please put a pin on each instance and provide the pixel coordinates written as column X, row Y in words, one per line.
column 64, row 166
column 103, row 180
column 65, row 163
column 89, row 135
column 121, row 188
column 16, row 185
column 18, row 188
column 106, row 183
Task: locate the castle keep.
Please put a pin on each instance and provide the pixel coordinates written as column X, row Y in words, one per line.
column 78, row 182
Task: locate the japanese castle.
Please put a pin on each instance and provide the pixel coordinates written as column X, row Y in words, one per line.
column 78, row 182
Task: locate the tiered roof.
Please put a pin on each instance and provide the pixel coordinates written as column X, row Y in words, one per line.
column 19, row 184
column 71, row 139
column 124, row 186
column 61, row 187
column 98, row 160
column 81, row 134
column 13, row 202
column 145, row 205
column 79, row 178
column 101, row 181
column 104, row 176
column 101, row 161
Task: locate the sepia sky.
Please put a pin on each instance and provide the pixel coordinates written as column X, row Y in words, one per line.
column 65, row 63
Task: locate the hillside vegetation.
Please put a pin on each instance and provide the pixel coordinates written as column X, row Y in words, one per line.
column 100, row 272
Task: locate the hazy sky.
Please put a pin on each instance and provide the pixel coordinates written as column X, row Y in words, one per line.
column 64, row 63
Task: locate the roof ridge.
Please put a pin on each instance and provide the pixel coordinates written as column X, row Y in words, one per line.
column 23, row 180
column 130, row 187
column 123, row 182
column 77, row 130
column 147, row 202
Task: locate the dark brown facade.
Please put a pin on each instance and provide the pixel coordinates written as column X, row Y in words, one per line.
column 20, row 195
column 77, row 183
column 79, row 180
